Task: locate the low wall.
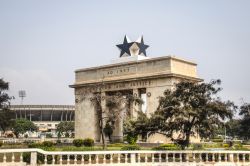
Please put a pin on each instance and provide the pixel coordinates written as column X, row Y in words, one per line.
column 35, row 157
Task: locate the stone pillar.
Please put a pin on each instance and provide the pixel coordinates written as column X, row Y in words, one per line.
column 86, row 124
column 136, row 107
column 118, row 130
column 33, row 159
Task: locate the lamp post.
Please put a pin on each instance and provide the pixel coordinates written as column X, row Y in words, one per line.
column 22, row 95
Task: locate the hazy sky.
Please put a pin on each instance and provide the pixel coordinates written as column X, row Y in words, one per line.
column 43, row 42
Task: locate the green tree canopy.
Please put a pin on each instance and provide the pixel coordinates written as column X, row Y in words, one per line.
column 191, row 108
column 65, row 127
column 6, row 116
column 23, row 125
column 244, row 129
column 134, row 127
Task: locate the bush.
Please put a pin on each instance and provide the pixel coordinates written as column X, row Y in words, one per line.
column 131, row 139
column 82, row 148
column 58, row 141
column 116, row 145
column 217, row 140
column 237, row 146
column 226, row 145
column 131, row 147
column 197, row 147
column 26, row 157
column 47, row 144
column 48, row 135
column 34, row 145
column 167, row 147
column 78, row 142
column 1, row 143
column 88, row 142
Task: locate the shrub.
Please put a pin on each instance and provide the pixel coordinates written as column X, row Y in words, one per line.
column 78, row 142
column 131, row 139
column 88, row 142
column 26, row 157
column 197, row 146
column 1, row 143
column 217, row 140
column 131, row 147
column 47, row 144
column 116, row 145
column 58, row 141
column 166, row 147
column 237, row 146
column 34, row 145
column 226, row 145
column 83, row 148
column 48, row 135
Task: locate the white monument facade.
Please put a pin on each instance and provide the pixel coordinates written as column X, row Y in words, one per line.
column 133, row 73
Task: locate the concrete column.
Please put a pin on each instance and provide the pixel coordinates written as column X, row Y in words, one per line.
column 41, row 117
column 30, row 114
column 62, row 116
column 66, row 115
column 51, row 115
column 231, row 157
column 33, row 159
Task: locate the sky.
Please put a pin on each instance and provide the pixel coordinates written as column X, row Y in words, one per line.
column 43, row 42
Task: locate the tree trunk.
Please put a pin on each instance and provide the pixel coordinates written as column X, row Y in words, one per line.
column 187, row 141
column 104, row 146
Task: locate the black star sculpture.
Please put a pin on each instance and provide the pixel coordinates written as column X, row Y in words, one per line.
column 124, row 47
column 142, row 47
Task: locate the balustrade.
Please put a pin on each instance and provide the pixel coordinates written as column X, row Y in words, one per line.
column 34, row 157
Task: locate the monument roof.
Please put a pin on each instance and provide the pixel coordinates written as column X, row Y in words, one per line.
column 136, row 62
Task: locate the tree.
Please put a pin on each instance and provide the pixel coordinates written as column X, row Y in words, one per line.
column 65, row 127
column 134, row 127
column 244, row 129
column 21, row 126
column 6, row 115
column 190, row 109
column 110, row 112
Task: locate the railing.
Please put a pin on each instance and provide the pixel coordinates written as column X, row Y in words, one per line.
column 35, row 157
column 22, row 140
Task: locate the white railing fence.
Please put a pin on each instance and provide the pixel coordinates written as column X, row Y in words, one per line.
column 35, row 157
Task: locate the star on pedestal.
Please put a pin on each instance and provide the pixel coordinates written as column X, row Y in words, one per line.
column 142, row 47
column 125, row 46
